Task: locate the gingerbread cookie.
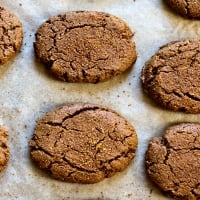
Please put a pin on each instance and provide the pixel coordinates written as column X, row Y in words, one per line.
column 172, row 76
column 83, row 143
column 11, row 35
column 85, row 46
column 4, row 149
column 173, row 161
column 187, row 8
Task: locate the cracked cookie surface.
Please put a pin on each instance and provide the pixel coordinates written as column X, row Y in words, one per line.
column 11, row 35
column 172, row 76
column 85, row 46
column 4, row 149
column 83, row 143
column 173, row 161
column 187, row 8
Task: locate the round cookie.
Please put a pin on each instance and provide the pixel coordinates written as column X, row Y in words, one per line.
column 85, row 46
column 173, row 161
column 83, row 143
column 187, row 8
column 11, row 35
column 4, row 149
column 172, row 76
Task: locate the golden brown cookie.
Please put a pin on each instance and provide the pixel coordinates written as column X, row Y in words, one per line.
column 11, row 35
column 83, row 143
column 4, row 149
column 85, row 46
column 173, row 161
column 172, row 76
column 187, row 8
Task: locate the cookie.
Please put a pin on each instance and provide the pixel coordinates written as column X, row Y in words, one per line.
column 83, row 143
column 85, row 46
column 172, row 76
column 11, row 35
column 4, row 149
column 187, row 8
column 173, row 161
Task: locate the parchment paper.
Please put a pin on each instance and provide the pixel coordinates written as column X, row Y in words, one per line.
column 28, row 92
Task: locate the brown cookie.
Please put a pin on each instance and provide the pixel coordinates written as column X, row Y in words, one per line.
column 172, row 76
column 4, row 150
column 173, row 161
column 83, row 143
column 187, row 8
column 85, row 46
column 11, row 35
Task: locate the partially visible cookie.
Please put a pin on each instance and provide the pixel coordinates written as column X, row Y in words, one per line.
column 85, row 46
column 172, row 76
column 173, row 161
column 11, row 35
column 187, row 8
column 83, row 143
column 4, row 149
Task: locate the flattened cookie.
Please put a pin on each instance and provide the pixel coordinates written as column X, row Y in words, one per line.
column 187, row 8
column 173, row 161
column 172, row 76
column 11, row 35
column 83, row 143
column 85, row 46
column 4, row 150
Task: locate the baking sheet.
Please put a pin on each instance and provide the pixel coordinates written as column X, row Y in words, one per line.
column 27, row 92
